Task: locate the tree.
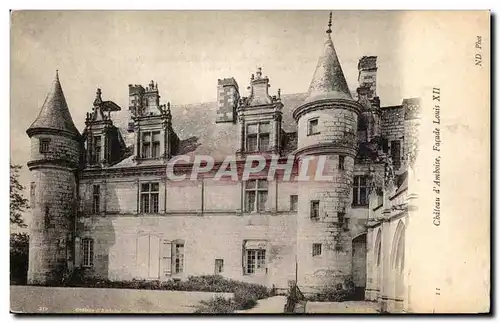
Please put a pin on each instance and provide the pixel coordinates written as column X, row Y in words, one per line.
column 18, row 203
column 19, row 254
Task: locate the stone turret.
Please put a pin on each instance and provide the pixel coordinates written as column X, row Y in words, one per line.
column 327, row 132
column 54, row 160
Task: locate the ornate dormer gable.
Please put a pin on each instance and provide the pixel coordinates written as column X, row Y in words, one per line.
column 151, row 123
column 259, row 118
column 102, row 140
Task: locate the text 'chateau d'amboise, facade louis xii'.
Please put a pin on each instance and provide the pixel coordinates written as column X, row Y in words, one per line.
column 102, row 202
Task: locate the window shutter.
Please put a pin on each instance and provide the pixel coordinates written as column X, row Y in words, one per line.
column 166, row 257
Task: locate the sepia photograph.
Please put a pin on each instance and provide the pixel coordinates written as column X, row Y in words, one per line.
column 244, row 162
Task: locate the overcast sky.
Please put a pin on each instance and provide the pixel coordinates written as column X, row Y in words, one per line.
column 185, row 52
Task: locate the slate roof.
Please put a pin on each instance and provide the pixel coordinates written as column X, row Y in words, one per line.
column 198, row 133
column 328, row 80
column 54, row 113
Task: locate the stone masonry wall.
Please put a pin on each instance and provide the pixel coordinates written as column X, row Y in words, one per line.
column 332, row 126
column 52, row 216
column 392, row 123
column 59, row 148
column 333, row 266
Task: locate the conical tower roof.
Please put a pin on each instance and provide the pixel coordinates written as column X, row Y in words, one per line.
column 328, row 80
column 54, row 114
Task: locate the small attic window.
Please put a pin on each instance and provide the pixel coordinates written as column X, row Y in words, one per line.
column 44, row 145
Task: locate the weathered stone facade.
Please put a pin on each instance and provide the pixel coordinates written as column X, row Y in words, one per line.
column 105, row 203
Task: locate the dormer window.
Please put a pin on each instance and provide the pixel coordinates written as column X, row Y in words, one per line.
column 258, row 137
column 96, row 156
column 151, row 144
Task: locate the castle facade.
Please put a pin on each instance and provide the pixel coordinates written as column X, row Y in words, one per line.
column 101, row 200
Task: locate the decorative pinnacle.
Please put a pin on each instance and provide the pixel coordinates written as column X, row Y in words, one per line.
column 329, row 30
column 57, row 75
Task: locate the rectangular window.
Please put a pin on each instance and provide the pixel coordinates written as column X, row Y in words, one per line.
column 360, row 190
column 219, row 266
column 341, row 218
column 44, row 145
column 146, row 145
column 96, row 199
column 294, row 201
column 252, row 143
column 88, row 252
column 258, row 135
column 316, row 249
column 255, row 259
column 314, row 210
column 255, row 195
column 149, row 197
column 341, row 162
column 179, row 258
column 97, row 150
column 156, row 144
column 396, row 153
column 313, row 127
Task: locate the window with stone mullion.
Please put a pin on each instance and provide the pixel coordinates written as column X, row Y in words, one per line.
column 149, row 197
column 258, row 135
column 256, row 195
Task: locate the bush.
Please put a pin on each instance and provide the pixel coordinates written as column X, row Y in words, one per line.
column 245, row 294
column 341, row 293
column 19, row 255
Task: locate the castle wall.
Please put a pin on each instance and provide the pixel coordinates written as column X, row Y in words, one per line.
column 333, row 265
column 60, row 147
column 51, row 225
column 392, row 123
column 332, row 126
column 386, row 272
column 206, row 238
column 217, row 233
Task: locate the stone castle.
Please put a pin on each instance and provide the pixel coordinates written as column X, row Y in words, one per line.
column 101, row 201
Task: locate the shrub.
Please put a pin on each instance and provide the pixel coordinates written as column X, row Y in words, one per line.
column 19, row 248
column 245, row 294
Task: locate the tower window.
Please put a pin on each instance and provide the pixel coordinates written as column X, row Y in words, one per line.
column 255, row 195
column 313, row 127
column 316, row 249
column 258, row 137
column 341, row 162
column 149, row 197
column 96, row 199
column 314, row 213
column 88, row 252
column 219, row 266
column 360, row 190
column 341, row 218
column 44, row 145
column 294, row 200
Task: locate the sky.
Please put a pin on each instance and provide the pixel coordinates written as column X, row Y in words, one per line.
column 185, row 52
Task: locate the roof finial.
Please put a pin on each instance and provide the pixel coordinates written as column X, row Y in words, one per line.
column 329, row 30
column 57, row 75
